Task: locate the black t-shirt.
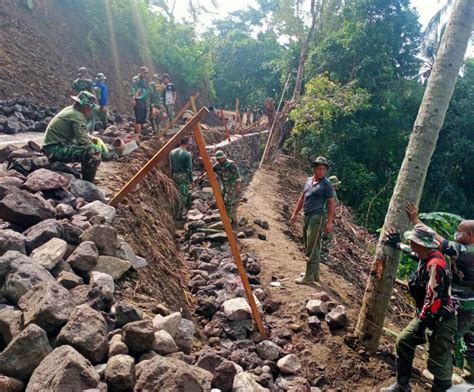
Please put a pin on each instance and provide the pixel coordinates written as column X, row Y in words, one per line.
column 316, row 196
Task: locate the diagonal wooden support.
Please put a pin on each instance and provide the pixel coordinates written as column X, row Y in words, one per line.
column 161, row 154
column 228, row 227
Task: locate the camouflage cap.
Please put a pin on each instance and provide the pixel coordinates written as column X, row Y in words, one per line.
column 82, row 70
column 422, row 235
column 85, row 98
column 320, row 161
column 100, row 76
column 156, row 77
column 219, row 154
column 334, row 180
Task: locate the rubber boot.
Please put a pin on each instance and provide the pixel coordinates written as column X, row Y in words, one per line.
column 402, row 379
column 441, row 385
column 88, row 173
column 310, row 276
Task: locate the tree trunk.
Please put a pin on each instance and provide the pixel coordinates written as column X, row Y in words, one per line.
column 412, row 174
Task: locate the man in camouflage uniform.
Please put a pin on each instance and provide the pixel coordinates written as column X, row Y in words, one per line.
column 83, row 82
column 140, row 98
column 435, row 319
column 229, row 176
column 67, row 140
column 181, row 166
column 157, row 110
column 461, row 253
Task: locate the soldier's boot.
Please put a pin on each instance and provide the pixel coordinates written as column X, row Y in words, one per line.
column 402, row 379
column 310, row 276
column 441, row 385
column 89, row 172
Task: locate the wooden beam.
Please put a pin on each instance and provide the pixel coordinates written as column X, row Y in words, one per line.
column 228, row 228
column 177, row 117
column 160, row 155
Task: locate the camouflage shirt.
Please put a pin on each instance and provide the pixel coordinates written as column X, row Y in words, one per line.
column 228, row 173
column 463, row 268
column 156, row 94
column 82, row 85
column 139, row 88
column 67, row 127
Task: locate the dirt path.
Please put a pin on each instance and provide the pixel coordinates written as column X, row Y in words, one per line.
column 332, row 361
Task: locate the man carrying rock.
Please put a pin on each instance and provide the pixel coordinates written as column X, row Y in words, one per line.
column 169, row 96
column 181, row 165
column 317, row 197
column 83, row 82
column 67, row 140
column 139, row 98
column 436, row 317
column 461, row 253
column 157, row 111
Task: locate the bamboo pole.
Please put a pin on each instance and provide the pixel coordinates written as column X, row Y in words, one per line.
column 228, row 228
column 178, row 116
column 163, row 152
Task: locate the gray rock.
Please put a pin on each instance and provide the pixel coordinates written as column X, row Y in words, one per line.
column 126, row 313
column 42, row 232
column 169, row 374
column 49, row 254
column 45, row 180
column 117, row 346
column 100, row 369
column 292, row 383
column 120, row 373
column 126, row 252
column 185, row 335
column 64, row 369
column 139, row 336
column 96, row 297
column 99, row 208
column 27, row 165
column 104, row 237
column 337, row 317
column 268, row 350
column 168, row 323
column 245, row 382
column 72, row 234
column 237, row 309
column 11, row 322
column 289, row 364
column 48, row 305
column 69, row 280
column 87, row 190
column 164, row 343
column 64, row 211
column 314, row 324
column 84, row 257
column 24, row 353
column 6, row 151
column 24, row 209
column 316, row 307
column 113, row 266
column 10, row 384
column 104, row 281
column 12, row 240
column 11, row 181
column 322, row 296
column 86, row 331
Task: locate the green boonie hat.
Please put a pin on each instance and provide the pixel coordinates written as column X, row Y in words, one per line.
column 219, row 154
column 320, row 161
column 85, row 98
column 422, row 235
column 156, row 77
column 100, row 76
column 334, row 180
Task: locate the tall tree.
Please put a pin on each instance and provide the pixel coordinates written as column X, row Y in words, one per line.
column 415, row 165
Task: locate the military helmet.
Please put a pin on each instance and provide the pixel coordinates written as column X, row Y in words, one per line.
column 219, row 154
column 82, row 71
column 334, row 180
column 320, row 161
column 100, row 76
column 85, row 98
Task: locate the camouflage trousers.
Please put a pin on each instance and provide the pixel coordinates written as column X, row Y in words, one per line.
column 183, row 183
column 465, row 339
column 231, row 197
column 156, row 118
column 101, row 119
column 88, row 156
column 170, row 111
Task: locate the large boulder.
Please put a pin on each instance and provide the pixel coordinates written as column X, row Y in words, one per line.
column 64, row 369
column 45, row 180
column 105, row 282
column 113, row 266
column 289, row 364
column 50, row 253
column 24, row 209
column 104, row 237
column 84, row 257
column 48, row 305
column 87, row 190
column 120, row 373
column 170, row 375
column 185, row 335
column 11, row 322
column 99, row 208
column 24, row 353
column 139, row 336
column 86, row 331
column 20, row 274
column 42, row 232
column 12, row 240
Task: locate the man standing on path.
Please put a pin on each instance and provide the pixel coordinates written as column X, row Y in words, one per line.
column 461, row 252
column 169, row 96
column 101, row 92
column 157, row 111
column 436, row 317
column 139, row 98
column 67, row 140
column 83, row 82
column 317, row 194
column 181, row 166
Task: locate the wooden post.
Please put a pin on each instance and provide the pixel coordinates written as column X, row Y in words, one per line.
column 193, row 103
column 164, row 151
column 228, row 228
column 237, row 115
column 177, row 117
column 225, row 125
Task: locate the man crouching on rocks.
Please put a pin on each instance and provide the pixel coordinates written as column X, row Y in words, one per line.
column 318, row 194
column 67, row 140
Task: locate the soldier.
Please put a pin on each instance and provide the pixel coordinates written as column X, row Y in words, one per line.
column 83, row 82
column 101, row 92
column 436, row 317
column 335, row 184
column 317, row 196
column 181, row 166
column 139, row 98
column 231, row 183
column 157, row 110
column 169, row 96
column 461, row 253
column 67, row 140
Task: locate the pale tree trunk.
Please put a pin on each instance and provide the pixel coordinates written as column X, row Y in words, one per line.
column 412, row 174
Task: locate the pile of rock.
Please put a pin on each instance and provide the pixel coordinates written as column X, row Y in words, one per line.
column 321, row 305
column 19, row 115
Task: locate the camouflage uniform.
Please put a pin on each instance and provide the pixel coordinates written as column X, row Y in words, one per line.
column 229, row 176
column 156, row 102
column 79, row 85
column 181, row 165
column 67, row 140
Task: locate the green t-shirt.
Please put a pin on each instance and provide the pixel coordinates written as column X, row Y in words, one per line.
column 181, row 162
column 67, row 127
